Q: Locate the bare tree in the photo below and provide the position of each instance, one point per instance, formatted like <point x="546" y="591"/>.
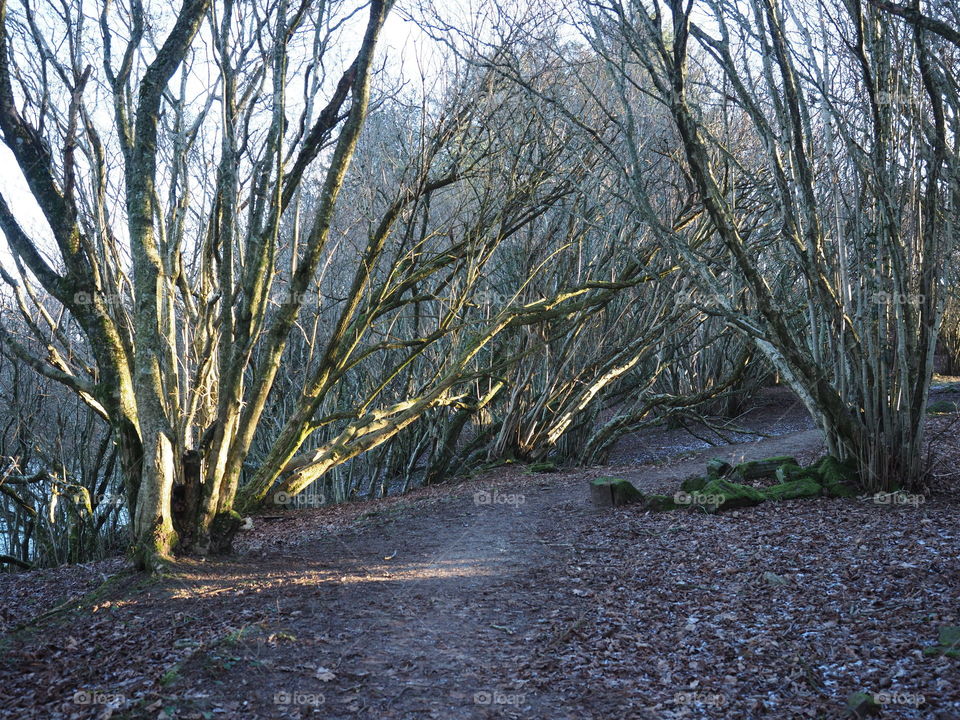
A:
<point x="808" y="147"/>
<point x="172" y="293"/>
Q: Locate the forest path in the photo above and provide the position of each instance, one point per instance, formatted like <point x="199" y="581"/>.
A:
<point x="435" y="611"/>
<point x="484" y="599"/>
<point x="440" y="604"/>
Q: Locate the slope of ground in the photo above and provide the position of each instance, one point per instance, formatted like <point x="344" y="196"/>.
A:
<point x="511" y="597"/>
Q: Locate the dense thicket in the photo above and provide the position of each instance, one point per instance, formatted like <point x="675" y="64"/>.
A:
<point x="268" y="270"/>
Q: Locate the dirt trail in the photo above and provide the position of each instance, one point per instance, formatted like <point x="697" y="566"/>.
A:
<point x="455" y="602"/>
<point x="431" y="606"/>
<point x="441" y="629"/>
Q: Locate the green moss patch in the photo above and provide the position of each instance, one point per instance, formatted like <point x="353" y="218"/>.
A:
<point x="721" y="490"/>
<point x="948" y="643"/>
<point x="766" y="468"/>
<point x="941" y="407"/>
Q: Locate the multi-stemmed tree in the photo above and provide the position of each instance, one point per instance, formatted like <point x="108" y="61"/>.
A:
<point x="819" y="139"/>
<point x="164" y="203"/>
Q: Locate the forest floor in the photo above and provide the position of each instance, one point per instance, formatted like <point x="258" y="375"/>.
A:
<point x="510" y="596"/>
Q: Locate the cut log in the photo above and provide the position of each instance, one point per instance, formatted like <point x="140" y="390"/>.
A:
<point x="718" y="468"/>
<point x="789" y="471"/>
<point x="755" y="469"/>
<point x="805" y="487"/>
<point x="722" y="494"/>
<point x="694" y="483"/>
<point x="11" y="560"/>
<point x="613" y="492"/>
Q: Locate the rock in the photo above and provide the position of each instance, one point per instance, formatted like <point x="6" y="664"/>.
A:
<point x="755" y="469"/>
<point x="661" y="503"/>
<point x="721" y="494"/>
<point x="694" y="483"/>
<point x="804" y="487"/>
<point x="861" y="704"/>
<point x="717" y="468"/>
<point x="789" y="471"/>
<point x="613" y="492"/>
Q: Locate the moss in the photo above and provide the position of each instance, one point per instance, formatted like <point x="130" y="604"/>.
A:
<point x="661" y="503"/>
<point x="941" y="407"/>
<point x="789" y="471"/>
<point x="155" y="550"/>
<point x="948" y="643"/>
<point x="225" y="521"/>
<point x="222" y="529"/>
<point x="804" y="487"/>
<point x="614" y="491"/>
<point x="717" y="468"/>
<point x="839" y="490"/>
<point x="839" y="479"/>
<point x="755" y="469"/>
<point x="722" y="494"/>
<point x="694" y="483"/>
<point x="171" y="675"/>
<point x="861" y="704"/>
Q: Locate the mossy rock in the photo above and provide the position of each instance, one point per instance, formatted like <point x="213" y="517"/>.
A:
<point x="941" y="407"/>
<point x="721" y="494"/>
<point x="840" y="490"/>
<point x="829" y="477"/>
<point x="694" y="483"/>
<point x="717" y="468"/>
<point x="839" y="479"/>
<point x="756" y="469"/>
<point x="661" y="503"/>
<point x="609" y="491"/>
<point x="861" y="705"/>
<point x="805" y="487"/>
<point x="789" y="471"/>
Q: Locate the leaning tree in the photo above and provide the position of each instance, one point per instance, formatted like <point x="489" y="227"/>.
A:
<point x="162" y="149"/>
<point x="819" y="144"/>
